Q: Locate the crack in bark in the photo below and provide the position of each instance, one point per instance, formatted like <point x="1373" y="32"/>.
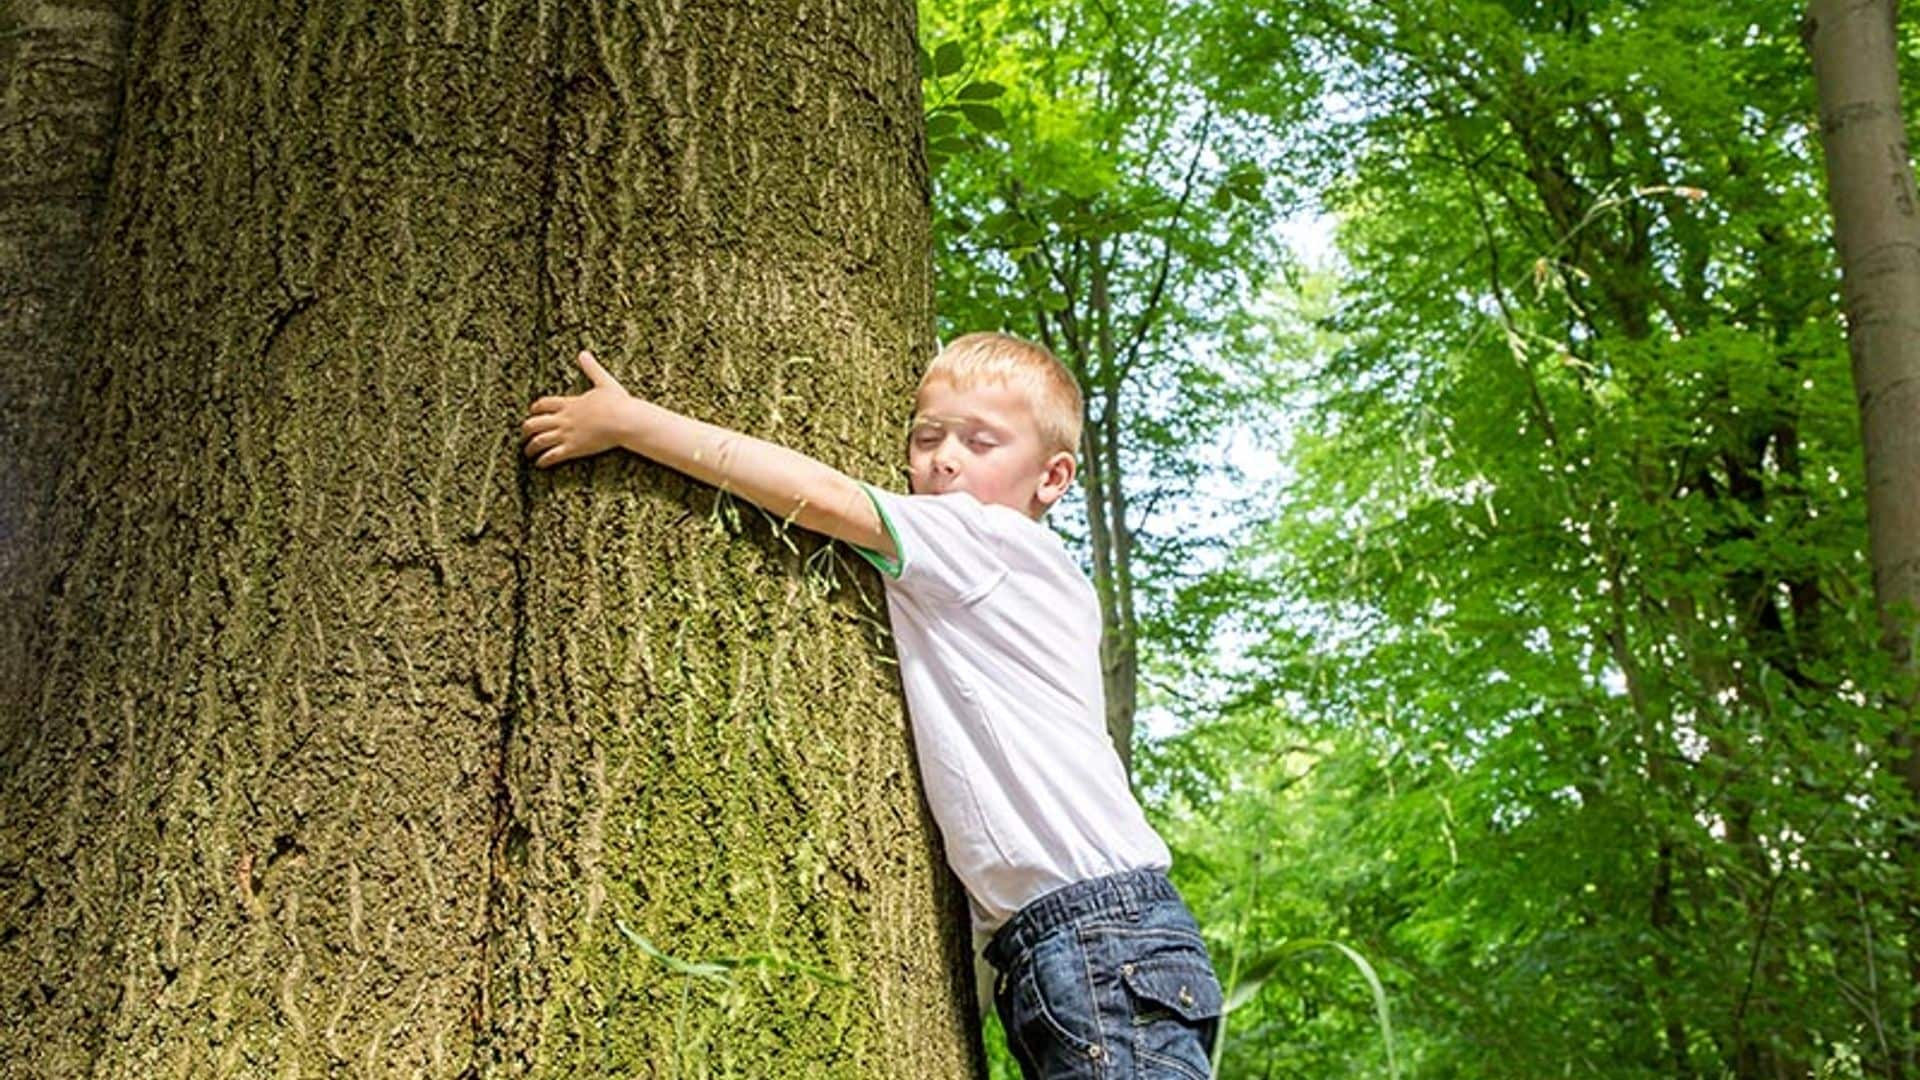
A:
<point x="502" y="841"/>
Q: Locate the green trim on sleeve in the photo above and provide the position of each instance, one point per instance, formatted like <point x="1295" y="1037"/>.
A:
<point x="890" y="567"/>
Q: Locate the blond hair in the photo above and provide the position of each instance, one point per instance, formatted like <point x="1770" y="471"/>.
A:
<point x="1022" y="366"/>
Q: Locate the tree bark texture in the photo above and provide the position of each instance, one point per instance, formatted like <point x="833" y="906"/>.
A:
<point x="60" y="72"/>
<point x="360" y="747"/>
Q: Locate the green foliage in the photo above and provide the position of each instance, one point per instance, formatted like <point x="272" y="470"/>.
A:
<point x="1111" y="208"/>
<point x="1546" y="681"/>
<point x="1568" y="581"/>
<point x="956" y="109"/>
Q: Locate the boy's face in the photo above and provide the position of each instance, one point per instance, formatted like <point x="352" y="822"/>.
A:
<point x="984" y="440"/>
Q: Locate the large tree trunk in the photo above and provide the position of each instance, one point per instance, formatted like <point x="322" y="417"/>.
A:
<point x="1870" y="187"/>
<point x="60" y="70"/>
<point x="361" y="748"/>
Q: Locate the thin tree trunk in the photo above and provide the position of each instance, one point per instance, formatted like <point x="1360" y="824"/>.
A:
<point x="1653" y="710"/>
<point x="1106" y="505"/>
<point x="1089" y="350"/>
<point x="362" y="748"/>
<point x="1091" y="362"/>
<point x="1870" y="188"/>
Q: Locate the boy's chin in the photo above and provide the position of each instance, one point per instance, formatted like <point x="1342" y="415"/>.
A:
<point x="1008" y="501"/>
<point x="1018" y="507"/>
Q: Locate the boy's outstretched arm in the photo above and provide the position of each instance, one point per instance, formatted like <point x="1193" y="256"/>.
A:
<point x="785" y="482"/>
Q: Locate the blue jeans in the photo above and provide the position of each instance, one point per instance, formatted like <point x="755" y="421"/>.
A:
<point x="1107" y="979"/>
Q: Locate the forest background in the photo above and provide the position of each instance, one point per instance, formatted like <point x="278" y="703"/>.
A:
<point x="1475" y="488"/>
<point x="1502" y="605"/>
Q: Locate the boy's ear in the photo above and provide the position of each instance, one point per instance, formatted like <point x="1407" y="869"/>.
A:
<point x="1057" y="478"/>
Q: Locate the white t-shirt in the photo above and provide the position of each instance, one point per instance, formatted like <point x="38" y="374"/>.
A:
<point x="998" y="636"/>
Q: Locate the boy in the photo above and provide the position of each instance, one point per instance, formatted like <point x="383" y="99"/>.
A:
<point x="1102" y="972"/>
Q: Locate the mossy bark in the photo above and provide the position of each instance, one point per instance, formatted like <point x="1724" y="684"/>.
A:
<point x="60" y="72"/>
<point x="360" y="747"/>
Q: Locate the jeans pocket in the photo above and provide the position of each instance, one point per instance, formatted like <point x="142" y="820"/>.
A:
<point x="1051" y="1022"/>
<point x="1176" y="1003"/>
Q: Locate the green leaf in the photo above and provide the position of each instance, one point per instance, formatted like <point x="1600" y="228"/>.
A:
<point x="718" y="970"/>
<point x="1246" y="174"/>
<point x="999" y="222"/>
<point x="980" y="91"/>
<point x="947" y="147"/>
<point x="948" y="59"/>
<point x="781" y="963"/>
<point x="984" y="117"/>
<point x="710" y="971"/>
<point x="942" y="123"/>
<point x="1025" y="234"/>
<point x="1268" y="963"/>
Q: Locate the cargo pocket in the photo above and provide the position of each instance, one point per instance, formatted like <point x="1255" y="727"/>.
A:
<point x="1176" y="1007"/>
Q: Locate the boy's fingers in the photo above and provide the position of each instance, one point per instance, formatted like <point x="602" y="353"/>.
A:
<point x="546" y="405"/>
<point x="535" y="424"/>
<point x="594" y="371"/>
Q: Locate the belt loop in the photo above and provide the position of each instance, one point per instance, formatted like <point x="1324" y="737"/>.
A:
<point x="1129" y="897"/>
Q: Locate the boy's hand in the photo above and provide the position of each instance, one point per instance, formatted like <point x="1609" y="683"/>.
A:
<point x="784" y="482"/>
<point x="564" y="428"/>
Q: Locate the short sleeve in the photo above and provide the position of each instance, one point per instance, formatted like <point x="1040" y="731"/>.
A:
<point x="945" y="548"/>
